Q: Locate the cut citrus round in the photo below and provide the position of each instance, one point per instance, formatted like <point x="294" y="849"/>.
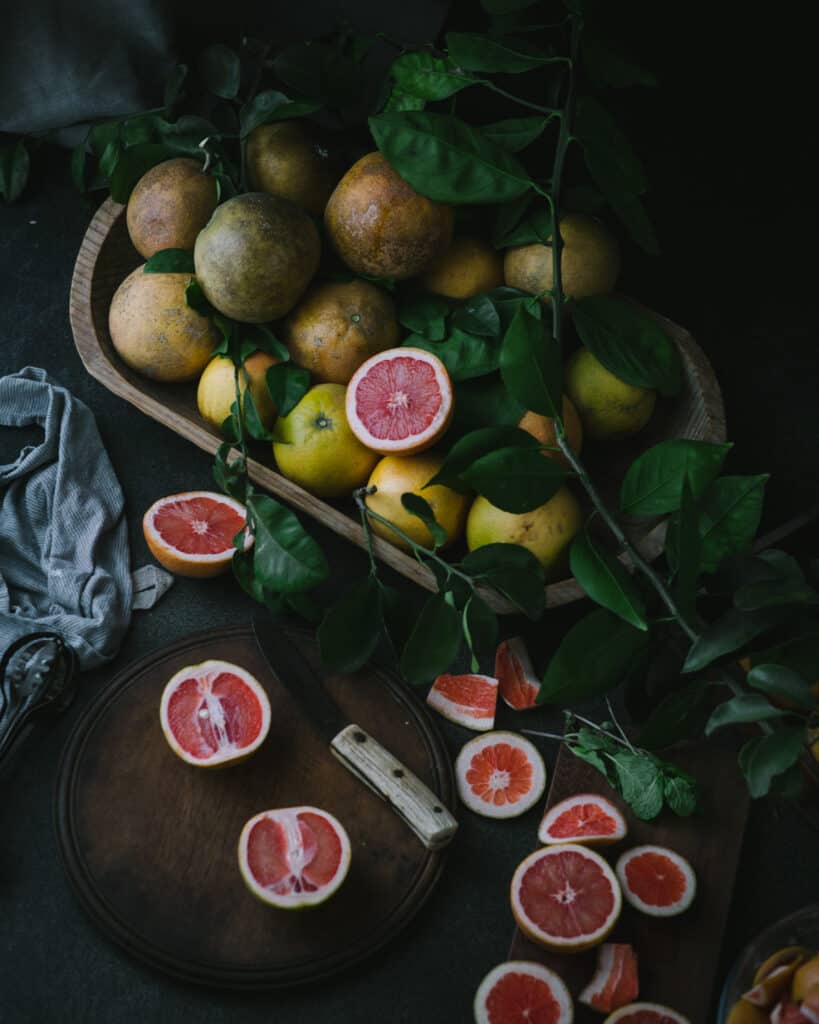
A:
<point x="500" y="775"/>
<point x="615" y="982"/>
<point x="656" y="880"/>
<point x="646" y="1013"/>
<point x="519" y="992"/>
<point x="213" y="714"/>
<point x="191" y="534"/>
<point x="566" y="898"/>
<point x="468" y="700"/>
<point x="517" y="682"/>
<point x="585" y="818"/>
<point x="399" y="401"/>
<point x="294" y="857"/>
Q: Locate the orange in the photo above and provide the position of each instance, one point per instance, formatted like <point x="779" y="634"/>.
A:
<point x="543" y="428"/>
<point x="500" y="775"/>
<point x="283" y="159"/>
<point x="468" y="267"/>
<point x="192" y="533"/>
<point x="170" y="205"/>
<point x="217" y="388"/>
<point x="609" y="407"/>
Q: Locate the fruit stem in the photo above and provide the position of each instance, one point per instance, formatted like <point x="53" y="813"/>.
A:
<point x="368" y="533"/>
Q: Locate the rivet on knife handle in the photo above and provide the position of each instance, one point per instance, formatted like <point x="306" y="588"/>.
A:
<point x="409" y="797"/>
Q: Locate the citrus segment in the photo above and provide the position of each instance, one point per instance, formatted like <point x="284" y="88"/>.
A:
<point x="500" y="775"/>
<point x="646" y="1013"/>
<point x="468" y="700"/>
<point x="519" y="992"/>
<point x="399" y="400"/>
<point x="585" y="818"/>
<point x="215" y="713"/>
<point x="517" y="682"/>
<point x="656" y="881"/>
<point x="191" y="534"/>
<point x="565" y="897"/>
<point x="615" y="982"/>
<point x="294" y="857"/>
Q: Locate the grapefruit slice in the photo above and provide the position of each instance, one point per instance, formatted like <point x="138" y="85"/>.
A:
<point x="500" y="775"/>
<point x="520" y="992"/>
<point x="585" y="818"/>
<point x="615" y="981"/>
<point x="566" y="898"/>
<point x="399" y="401"/>
<point x="191" y="534"/>
<point x="294" y="857"/>
<point x="213" y="714"/>
<point x="517" y="681"/>
<point x="468" y="700"/>
<point x="656" y="880"/>
<point x="646" y="1013"/>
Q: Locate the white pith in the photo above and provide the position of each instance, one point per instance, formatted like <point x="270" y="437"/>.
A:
<point x="632" y="1008"/>
<point x="474" y="802"/>
<point x="533" y="970"/>
<point x="199" y="526"/>
<point x="454" y="712"/>
<point x="553" y="813"/>
<point x="605" y="960"/>
<point x="672" y="909"/>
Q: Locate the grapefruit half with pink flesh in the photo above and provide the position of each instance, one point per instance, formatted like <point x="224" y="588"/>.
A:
<point x="214" y="714"/>
<point x="517" y="681"/>
<point x="294" y="857"/>
<point x="657" y="881"/>
<point x="520" y="992"/>
<point x="500" y="775"/>
<point x="468" y="700"/>
<point x="584" y="818"/>
<point x="399" y="401"/>
<point x="191" y="534"/>
<point x="615" y="981"/>
<point x="566" y="898"/>
<point x="646" y="1013"/>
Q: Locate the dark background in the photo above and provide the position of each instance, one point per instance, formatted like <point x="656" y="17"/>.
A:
<point x="727" y="140"/>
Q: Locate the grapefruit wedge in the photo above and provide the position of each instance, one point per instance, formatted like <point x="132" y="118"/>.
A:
<point x="615" y="981"/>
<point x="585" y="818"/>
<point x="468" y="700"/>
<point x="520" y="992"/>
<point x="399" y="401"/>
<point x="294" y="857"/>
<point x="646" y="1013"/>
<point x="214" y="714"/>
<point x="191" y="534"/>
<point x="566" y="898"/>
<point x="657" y="881"/>
<point x="500" y="775"/>
<point x="517" y="681"/>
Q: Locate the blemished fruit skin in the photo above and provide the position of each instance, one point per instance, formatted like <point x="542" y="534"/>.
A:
<point x="379" y="225"/>
<point x="216" y="391"/>
<point x="284" y="160"/>
<point x="337" y="326"/>
<point x="589" y="262"/>
<point x="169" y="206"/>
<point x="546" y="531"/>
<point x="256" y="256"/>
<point x="320" y="452"/>
<point x="155" y="331"/>
<point x="468" y="267"/>
<point x="610" y="408"/>
<point x="543" y="428"/>
<point x="395" y="475"/>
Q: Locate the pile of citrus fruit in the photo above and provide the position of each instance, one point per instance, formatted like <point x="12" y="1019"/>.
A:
<point x="785" y="990"/>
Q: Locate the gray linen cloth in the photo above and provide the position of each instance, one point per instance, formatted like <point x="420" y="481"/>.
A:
<point x="64" y="559"/>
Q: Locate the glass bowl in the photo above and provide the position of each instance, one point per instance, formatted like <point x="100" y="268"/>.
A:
<point x="798" y="929"/>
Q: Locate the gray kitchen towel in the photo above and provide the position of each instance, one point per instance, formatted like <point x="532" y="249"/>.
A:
<point x="64" y="560"/>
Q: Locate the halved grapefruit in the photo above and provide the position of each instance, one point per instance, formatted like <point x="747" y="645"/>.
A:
<point x="615" y="982"/>
<point x="468" y="700"/>
<point x="566" y="898"/>
<point x="656" y="880"/>
<point x="585" y="818"/>
<point x="520" y="992"/>
<point x="294" y="857"/>
<point x="500" y="775"/>
<point x="191" y="534"/>
<point x="399" y="401"/>
<point x="214" y="714"/>
<point x="646" y="1013"/>
<point x="517" y="681"/>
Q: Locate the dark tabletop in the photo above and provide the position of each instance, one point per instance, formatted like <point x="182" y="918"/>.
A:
<point x="724" y="142"/>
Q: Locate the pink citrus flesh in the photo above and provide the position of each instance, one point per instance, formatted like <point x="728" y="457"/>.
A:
<point x="584" y="818"/>
<point x="615" y="982"/>
<point x="500" y="775"/>
<point x="191" y="534"/>
<point x="518" y="685"/>
<point x="656" y="881"/>
<point x="521" y="992"/>
<point x="646" y="1013"/>
<point x="469" y="700"/>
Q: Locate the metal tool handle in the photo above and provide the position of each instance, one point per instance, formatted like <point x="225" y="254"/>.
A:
<point x="407" y="795"/>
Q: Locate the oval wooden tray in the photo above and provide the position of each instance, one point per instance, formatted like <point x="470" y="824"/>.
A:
<point x="106" y="256"/>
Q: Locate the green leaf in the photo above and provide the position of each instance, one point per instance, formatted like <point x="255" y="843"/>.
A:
<point x="629" y="342"/>
<point x="630" y="210"/>
<point x="536" y="227"/>
<point x="230" y="477"/>
<point x="799" y="653"/>
<point x="481" y="53"/>
<point x="607" y="68"/>
<point x="729" y="633"/>
<point x="174" y="84"/>
<point x="610" y="159"/>
<point x="673" y="718"/>
<point x="606" y="580"/>
<point x="508" y="301"/>
<point x="186" y="134"/>
<point x="195" y="298"/>
<point x="530" y="365"/>
<point x="287" y="385"/>
<point x="262" y="339"/>
<point x="141" y="128"/>
<point x="515" y="479"/>
<point x="477" y="316"/>
<point x="513" y="571"/>
<point x="132" y="164"/>
<point x="464" y="355"/>
<point x="102" y="134"/>
<point x="683" y="536"/>
<point x="784" y="683"/>
<point x="399" y="100"/>
<point x="425" y="314"/>
<point x="446" y="159"/>
<point x="430" y="78"/>
<point x="269" y="106"/>
<point x="778" y="580"/>
<point x="79" y="156"/>
<point x="221" y="71"/>
<point x="14" y="170"/>
<point x="653" y="483"/>
<point x="515" y="133"/>
<point x="351" y="629"/>
<point x="680" y="793"/>
<point x="170" y="261"/>
<point x="480" y="626"/>
<point x="741" y="710"/>
<point x="506" y="6"/>
<point x="433" y="643"/>
<point x="484" y="402"/>
<point x="765" y="757"/>
<point x="641" y="784"/>
<point x="419" y="507"/>
<point x="286" y="558"/>
<point x="592" y="658"/>
<point x="252" y="420"/>
<point x="476" y="445"/>
<point x="110" y="159"/>
<point x="730" y="511"/>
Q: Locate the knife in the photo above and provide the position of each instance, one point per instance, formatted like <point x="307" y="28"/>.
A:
<point x="360" y="754"/>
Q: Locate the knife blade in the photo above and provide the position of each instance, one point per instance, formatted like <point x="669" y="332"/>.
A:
<point x="360" y="754"/>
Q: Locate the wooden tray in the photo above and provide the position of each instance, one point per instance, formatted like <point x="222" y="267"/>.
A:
<point x="149" y="842"/>
<point x="678" y="956"/>
<point x="106" y="256"/>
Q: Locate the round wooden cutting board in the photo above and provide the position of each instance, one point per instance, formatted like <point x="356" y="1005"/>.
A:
<point x="150" y="843"/>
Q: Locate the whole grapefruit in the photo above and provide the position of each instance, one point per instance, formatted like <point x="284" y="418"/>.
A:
<point x="610" y="408"/>
<point x="217" y="388"/>
<point x="284" y="159"/>
<point x="543" y="428"/>
<point x="169" y="206"/>
<point x="468" y="267"/>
